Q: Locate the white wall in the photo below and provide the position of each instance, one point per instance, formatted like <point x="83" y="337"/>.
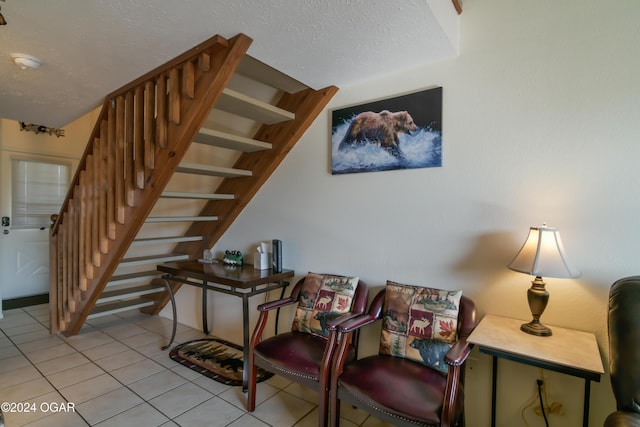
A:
<point x="540" y="124"/>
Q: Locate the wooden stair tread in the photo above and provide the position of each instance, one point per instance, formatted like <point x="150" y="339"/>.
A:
<point x="147" y="259"/>
<point x="117" y="293"/>
<point x="259" y="71"/>
<point x="185" y="195"/>
<point x="107" y="308"/>
<point x="227" y="140"/>
<point x="180" y="219"/>
<point x="199" y="169"/>
<point x="132" y="277"/>
<point x="240" y="104"/>
<point x="171" y="239"/>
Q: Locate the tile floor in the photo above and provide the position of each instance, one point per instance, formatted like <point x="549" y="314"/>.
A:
<point x="114" y="374"/>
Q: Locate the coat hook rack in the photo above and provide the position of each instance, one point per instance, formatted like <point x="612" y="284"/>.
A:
<point x="41" y="129"/>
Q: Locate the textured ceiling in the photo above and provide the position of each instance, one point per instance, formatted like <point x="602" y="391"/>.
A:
<point x="91" y="48"/>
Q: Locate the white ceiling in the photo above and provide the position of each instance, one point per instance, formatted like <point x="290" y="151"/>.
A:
<point x="90" y="48"/>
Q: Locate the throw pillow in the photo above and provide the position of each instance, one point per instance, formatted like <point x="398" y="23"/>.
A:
<point x="419" y="323"/>
<point x="323" y="298"/>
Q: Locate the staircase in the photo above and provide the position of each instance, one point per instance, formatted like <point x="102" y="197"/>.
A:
<point x="173" y="159"/>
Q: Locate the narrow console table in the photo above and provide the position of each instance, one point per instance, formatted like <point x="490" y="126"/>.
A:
<point x="567" y="351"/>
<point x="243" y="282"/>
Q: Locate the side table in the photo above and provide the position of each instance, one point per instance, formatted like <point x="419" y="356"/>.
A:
<point x="567" y="351"/>
<point x="242" y="281"/>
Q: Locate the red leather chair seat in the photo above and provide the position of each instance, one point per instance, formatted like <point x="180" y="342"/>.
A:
<point x="294" y="353"/>
<point x="363" y="381"/>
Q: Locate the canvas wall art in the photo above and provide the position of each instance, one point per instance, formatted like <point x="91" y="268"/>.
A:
<point x="403" y="132"/>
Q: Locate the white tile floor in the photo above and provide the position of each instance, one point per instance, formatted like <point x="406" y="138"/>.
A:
<point x="114" y="374"/>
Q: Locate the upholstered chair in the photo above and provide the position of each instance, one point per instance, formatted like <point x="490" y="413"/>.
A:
<point x="624" y="351"/>
<point x="417" y="377"/>
<point x="304" y="354"/>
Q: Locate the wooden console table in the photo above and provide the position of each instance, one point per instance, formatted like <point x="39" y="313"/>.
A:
<point x="243" y="282"/>
<point x="567" y="351"/>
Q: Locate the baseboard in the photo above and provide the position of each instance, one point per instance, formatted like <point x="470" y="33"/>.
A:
<point x="25" y="301"/>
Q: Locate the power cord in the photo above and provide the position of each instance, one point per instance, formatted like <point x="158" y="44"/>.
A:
<point x="540" y="394"/>
<point x="544" y="415"/>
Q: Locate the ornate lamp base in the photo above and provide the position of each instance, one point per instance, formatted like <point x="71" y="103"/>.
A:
<point x="538" y="297"/>
<point x="536" y="328"/>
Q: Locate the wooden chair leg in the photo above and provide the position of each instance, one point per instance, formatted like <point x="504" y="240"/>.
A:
<point x="334" y="412"/>
<point x="251" y="392"/>
<point x="323" y="408"/>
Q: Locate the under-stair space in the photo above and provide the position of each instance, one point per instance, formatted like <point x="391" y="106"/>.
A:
<point x="194" y="182"/>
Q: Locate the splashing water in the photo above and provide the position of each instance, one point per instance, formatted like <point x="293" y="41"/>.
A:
<point x="422" y="149"/>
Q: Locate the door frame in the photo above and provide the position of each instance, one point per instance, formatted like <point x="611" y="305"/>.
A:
<point x="6" y="166"/>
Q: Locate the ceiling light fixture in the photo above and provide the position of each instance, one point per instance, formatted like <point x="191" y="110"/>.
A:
<point x="25" y="61"/>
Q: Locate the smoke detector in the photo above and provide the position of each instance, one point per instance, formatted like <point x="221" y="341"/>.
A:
<point x="25" y="61"/>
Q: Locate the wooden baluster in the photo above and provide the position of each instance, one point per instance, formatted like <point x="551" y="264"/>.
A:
<point x="84" y="237"/>
<point x="59" y="282"/>
<point x="129" y="164"/>
<point x="174" y="96"/>
<point x="111" y="172"/>
<point x="75" y="243"/>
<point x="63" y="270"/>
<point x="96" y="254"/>
<point x="161" y="119"/>
<point x="119" y="161"/>
<point x="138" y="137"/>
<point x="102" y="210"/>
<point x="68" y="219"/>
<point x="149" y="118"/>
<point x="54" y="326"/>
<point x="80" y="234"/>
<point x="204" y="62"/>
<point x="188" y="80"/>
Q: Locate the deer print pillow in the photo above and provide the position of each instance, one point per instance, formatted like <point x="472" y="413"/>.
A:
<point x="323" y="298"/>
<point x="419" y="323"/>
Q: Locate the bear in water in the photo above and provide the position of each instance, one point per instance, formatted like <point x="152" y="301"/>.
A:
<point x="381" y="129"/>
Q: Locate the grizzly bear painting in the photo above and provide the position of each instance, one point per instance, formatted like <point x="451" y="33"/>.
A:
<point x="404" y="132"/>
<point x="380" y="128"/>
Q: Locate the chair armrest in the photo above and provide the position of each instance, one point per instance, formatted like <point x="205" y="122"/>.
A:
<point x="271" y="305"/>
<point x="332" y="325"/>
<point x="458" y="353"/>
<point x="357" y="322"/>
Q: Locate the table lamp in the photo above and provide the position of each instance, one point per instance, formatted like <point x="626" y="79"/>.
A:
<point x="541" y="255"/>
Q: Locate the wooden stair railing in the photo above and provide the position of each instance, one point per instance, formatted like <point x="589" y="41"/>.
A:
<point x="142" y="133"/>
<point x="141" y="136"/>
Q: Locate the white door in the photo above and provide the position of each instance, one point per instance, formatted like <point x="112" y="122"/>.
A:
<point x="30" y="192"/>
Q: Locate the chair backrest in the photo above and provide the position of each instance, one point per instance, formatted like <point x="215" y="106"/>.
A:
<point x="324" y="297"/>
<point x="420" y="323"/>
<point x="466" y="318"/>
<point x="624" y="342"/>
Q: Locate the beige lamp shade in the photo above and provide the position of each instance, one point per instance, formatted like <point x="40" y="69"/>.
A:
<point x="543" y="255"/>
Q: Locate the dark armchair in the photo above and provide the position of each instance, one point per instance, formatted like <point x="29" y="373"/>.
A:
<point x="305" y="354"/>
<point x="624" y="351"/>
<point x="397" y="389"/>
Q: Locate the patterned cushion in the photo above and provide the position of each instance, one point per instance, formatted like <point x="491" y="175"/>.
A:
<point x="323" y="298"/>
<point x="419" y="323"/>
